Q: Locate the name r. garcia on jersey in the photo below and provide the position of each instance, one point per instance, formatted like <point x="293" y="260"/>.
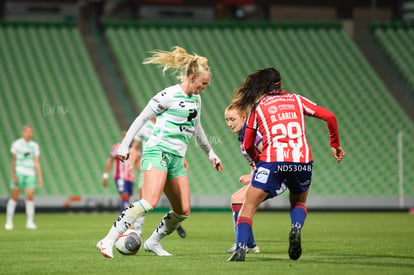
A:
<point x="283" y="116"/>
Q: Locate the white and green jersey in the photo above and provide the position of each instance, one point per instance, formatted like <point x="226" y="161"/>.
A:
<point x="177" y="114"/>
<point x="25" y="153"/>
<point x="144" y="134"/>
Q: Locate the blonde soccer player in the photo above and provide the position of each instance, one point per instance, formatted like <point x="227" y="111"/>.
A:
<point x="178" y="110"/>
<point x="140" y="141"/>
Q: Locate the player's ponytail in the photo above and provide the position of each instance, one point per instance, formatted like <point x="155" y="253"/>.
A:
<point x="184" y="64"/>
<point x="264" y="81"/>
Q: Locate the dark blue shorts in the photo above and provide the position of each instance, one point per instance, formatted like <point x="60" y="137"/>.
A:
<point x="124" y="186"/>
<point x="276" y="177"/>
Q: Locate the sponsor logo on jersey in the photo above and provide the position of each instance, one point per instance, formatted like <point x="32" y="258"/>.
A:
<point x="185" y="130"/>
<point x="285" y="107"/>
<point x="273" y="99"/>
<point x="192" y="114"/>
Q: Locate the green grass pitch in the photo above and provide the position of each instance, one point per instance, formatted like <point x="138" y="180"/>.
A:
<point x="333" y="243"/>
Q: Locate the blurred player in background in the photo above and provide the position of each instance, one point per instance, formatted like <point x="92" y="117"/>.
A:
<point x="27" y="174"/>
<point x="140" y="141"/>
<point x="178" y="119"/>
<point x="236" y="120"/>
<point x="124" y="180"/>
<point x="286" y="155"/>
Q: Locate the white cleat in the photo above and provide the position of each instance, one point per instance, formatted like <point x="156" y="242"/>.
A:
<point x="255" y="249"/>
<point x="8" y="226"/>
<point x="105" y="249"/>
<point x="232" y="248"/>
<point x="156" y="248"/>
<point x="31" y="226"/>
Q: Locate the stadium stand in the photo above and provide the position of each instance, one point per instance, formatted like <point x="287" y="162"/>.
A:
<point x="48" y="81"/>
<point x="319" y="61"/>
<point x="398" y="40"/>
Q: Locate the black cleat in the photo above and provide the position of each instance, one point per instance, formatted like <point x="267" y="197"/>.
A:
<point x="239" y="255"/>
<point x="295" y="248"/>
<point x="181" y="232"/>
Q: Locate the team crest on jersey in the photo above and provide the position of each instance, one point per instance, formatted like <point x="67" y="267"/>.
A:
<point x="273" y="109"/>
<point x="262" y="175"/>
<point x="160" y="107"/>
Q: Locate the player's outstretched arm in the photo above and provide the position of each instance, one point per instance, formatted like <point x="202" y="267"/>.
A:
<point x="338" y="153"/>
<point x="144" y="116"/>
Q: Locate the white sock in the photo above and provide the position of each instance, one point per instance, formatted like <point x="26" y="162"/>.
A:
<point x="30" y="211"/>
<point x="11" y="208"/>
<point x="127" y="218"/>
<point x="139" y="224"/>
<point x="167" y="225"/>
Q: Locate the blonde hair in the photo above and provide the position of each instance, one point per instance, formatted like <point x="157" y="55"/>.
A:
<point x="183" y="63"/>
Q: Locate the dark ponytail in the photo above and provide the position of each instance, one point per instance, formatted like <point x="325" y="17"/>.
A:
<point x="264" y="81"/>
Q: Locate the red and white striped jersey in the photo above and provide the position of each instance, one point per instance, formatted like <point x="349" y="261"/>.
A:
<point x="121" y="168"/>
<point x="280" y="119"/>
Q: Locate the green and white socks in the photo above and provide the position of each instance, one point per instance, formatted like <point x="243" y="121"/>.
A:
<point x="127" y="218"/>
<point x="167" y="225"/>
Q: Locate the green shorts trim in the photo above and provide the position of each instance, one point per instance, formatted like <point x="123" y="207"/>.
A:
<point x="155" y="157"/>
<point x="24" y="181"/>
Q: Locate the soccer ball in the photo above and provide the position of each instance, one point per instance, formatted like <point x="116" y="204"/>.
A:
<point x="129" y="243"/>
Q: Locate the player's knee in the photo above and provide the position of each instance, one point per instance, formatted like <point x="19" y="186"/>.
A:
<point x="29" y="197"/>
<point x="236" y="198"/>
<point x="14" y="197"/>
